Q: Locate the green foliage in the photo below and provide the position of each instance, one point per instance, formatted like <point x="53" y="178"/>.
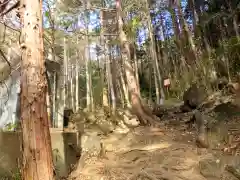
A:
<point x="145" y="89"/>
<point x="10" y="126"/>
<point x="46" y="14"/>
<point x="67" y="22"/>
<point x="230" y="50"/>
<point x="132" y="26"/>
<point x="16" y="176"/>
<point x="233" y="51"/>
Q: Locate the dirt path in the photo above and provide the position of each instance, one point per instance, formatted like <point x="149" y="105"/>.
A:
<point x="156" y="154"/>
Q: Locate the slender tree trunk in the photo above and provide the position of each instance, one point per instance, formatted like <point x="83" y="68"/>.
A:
<point x="102" y="70"/>
<point x="105" y="101"/>
<point x="77" y="86"/>
<point x="36" y="145"/>
<point x="192" y="55"/>
<point x="124" y="86"/>
<point x="178" y="42"/>
<point x="143" y="114"/>
<point x="136" y="66"/>
<point x="89" y="107"/>
<point x="110" y="80"/>
<point x="150" y="82"/>
<point x="120" y="88"/>
<point x="114" y="71"/>
<point x="72" y="88"/>
<point x="154" y="57"/>
<point x="49" y="100"/>
<point x="88" y="71"/>
<point x="156" y="82"/>
<point x="54" y="99"/>
<point x="65" y="74"/>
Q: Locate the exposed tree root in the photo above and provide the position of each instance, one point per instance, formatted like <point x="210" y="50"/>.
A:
<point x="143" y="174"/>
<point x="145" y="115"/>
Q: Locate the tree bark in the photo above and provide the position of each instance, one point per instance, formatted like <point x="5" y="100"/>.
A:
<point x="144" y="115"/>
<point x="36" y="143"/>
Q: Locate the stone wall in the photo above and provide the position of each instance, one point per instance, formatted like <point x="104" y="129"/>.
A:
<point x="63" y="152"/>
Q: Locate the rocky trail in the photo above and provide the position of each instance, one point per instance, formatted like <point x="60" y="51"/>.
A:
<point x="168" y="152"/>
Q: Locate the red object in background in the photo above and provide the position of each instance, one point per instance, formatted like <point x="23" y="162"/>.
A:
<point x="117" y="3"/>
<point x="166" y="82"/>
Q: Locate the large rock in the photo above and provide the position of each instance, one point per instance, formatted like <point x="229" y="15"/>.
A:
<point x="211" y="168"/>
<point x="193" y="97"/>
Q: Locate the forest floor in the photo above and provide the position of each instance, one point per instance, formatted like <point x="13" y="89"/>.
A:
<point x="165" y="153"/>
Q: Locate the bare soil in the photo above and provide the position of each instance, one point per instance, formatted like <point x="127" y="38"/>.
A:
<point x="166" y="153"/>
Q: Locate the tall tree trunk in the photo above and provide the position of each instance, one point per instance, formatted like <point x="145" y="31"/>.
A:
<point x="143" y="114"/>
<point x="105" y="101"/>
<point x="88" y="67"/>
<point x="102" y="69"/>
<point x="150" y="81"/>
<point x="89" y="106"/>
<point x="110" y="80"/>
<point x="36" y="142"/>
<point x="154" y="56"/>
<point x="65" y="82"/>
<point x="77" y="85"/>
<point x="114" y="71"/>
<point x="72" y="88"/>
<point x="136" y="65"/>
<point x="178" y="42"/>
<point x="124" y="86"/>
<point x="49" y="99"/>
<point x="54" y="109"/>
<point x="192" y="55"/>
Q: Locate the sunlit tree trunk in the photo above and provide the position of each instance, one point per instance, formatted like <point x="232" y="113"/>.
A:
<point x="91" y="86"/>
<point x="49" y="100"/>
<point x="156" y="82"/>
<point x="178" y="42"/>
<point x="60" y="98"/>
<point x="154" y="58"/>
<point x="65" y="64"/>
<point x="54" y="109"/>
<point x="103" y="69"/>
<point x="88" y="67"/>
<point x="150" y="82"/>
<point x="120" y="87"/>
<point x="114" y="71"/>
<point x="110" y="80"/>
<point x="36" y="142"/>
<point x="176" y="27"/>
<point x="145" y="116"/>
<point x="77" y="85"/>
<point x="136" y="65"/>
<point x="88" y="85"/>
<point x="104" y="84"/>
<point x="125" y="89"/>
<point x="193" y="53"/>
<point x="72" y="88"/>
<point x="162" y="48"/>
<point x="104" y="75"/>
